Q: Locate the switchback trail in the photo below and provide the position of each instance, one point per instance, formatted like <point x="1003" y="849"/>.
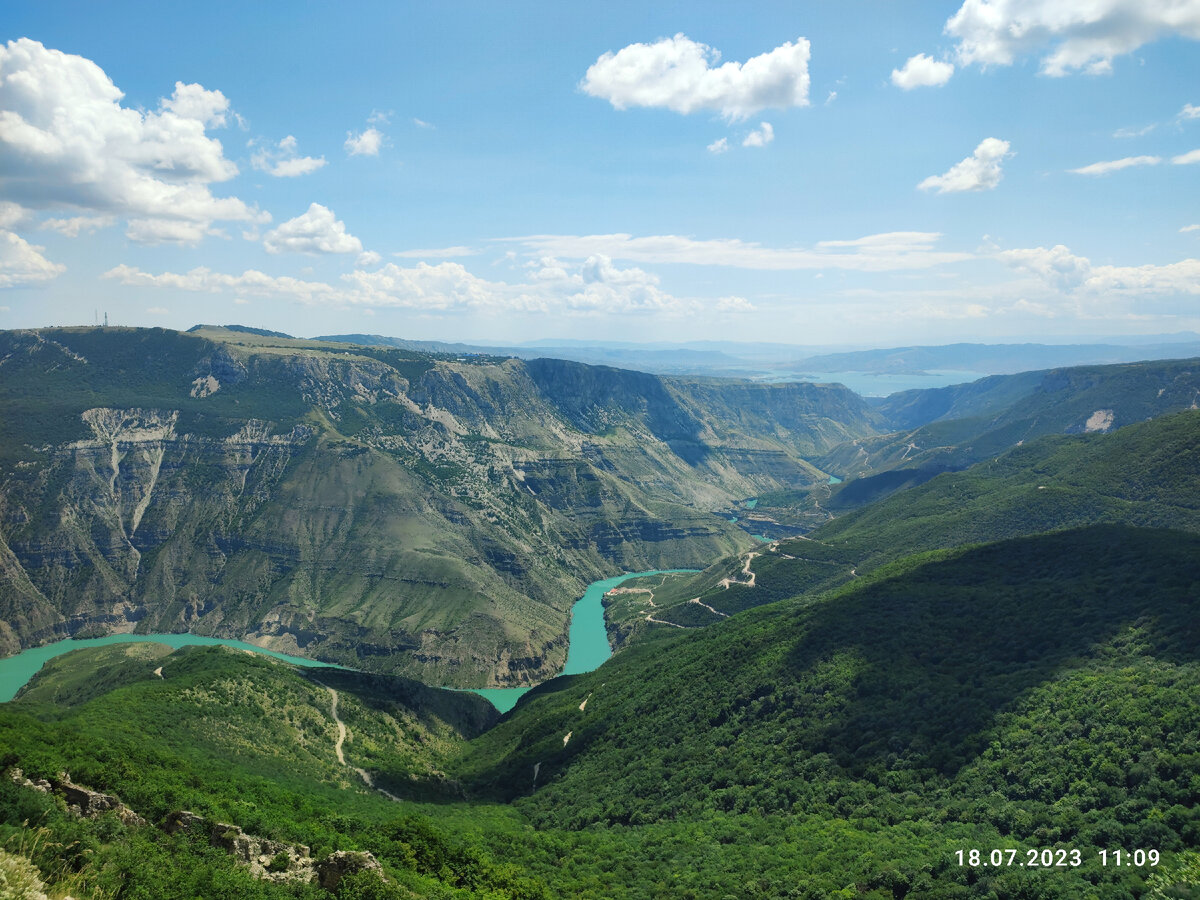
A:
<point x="341" y="739"/>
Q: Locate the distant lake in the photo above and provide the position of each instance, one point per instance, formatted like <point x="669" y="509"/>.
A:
<point x="875" y="384"/>
<point x="588" y="646"/>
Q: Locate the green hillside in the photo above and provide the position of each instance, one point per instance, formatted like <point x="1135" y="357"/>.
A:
<point x="1146" y="474"/>
<point x="1031" y="693"/>
<point x="951" y="428"/>
<point x="1035" y="694"/>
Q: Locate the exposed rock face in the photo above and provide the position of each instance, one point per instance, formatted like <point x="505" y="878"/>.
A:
<point x="80" y="800"/>
<point x="396" y="513"/>
<point x="266" y="859"/>
<point x="337" y="865"/>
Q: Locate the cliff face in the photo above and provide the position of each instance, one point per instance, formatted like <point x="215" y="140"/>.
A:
<point x="392" y="511"/>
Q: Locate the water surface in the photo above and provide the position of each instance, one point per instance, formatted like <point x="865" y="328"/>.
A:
<point x="588" y="646"/>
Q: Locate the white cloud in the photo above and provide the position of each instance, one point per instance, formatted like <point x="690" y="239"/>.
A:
<point x="1182" y="277"/>
<point x="760" y="138"/>
<point x="367" y="143"/>
<point x="922" y="71"/>
<point x="168" y="231"/>
<point x="437" y="253"/>
<point x="250" y="282"/>
<point x="832" y="96"/>
<point x="379" y="117"/>
<point x="595" y="286"/>
<point x="241" y="301"/>
<point x="22" y="263"/>
<point x="1056" y="266"/>
<point x="157" y="310"/>
<point x="719" y="146"/>
<point x="901" y="250"/>
<point x="1115" y="165"/>
<point x="316" y="231"/>
<point x="1187" y="228"/>
<point x="283" y="160"/>
<point x="1076" y="34"/>
<point x="421" y="123"/>
<point x="1189" y="112"/>
<point x="682" y="75"/>
<point x="67" y="143"/>
<point x="1183" y="159"/>
<point x="368" y="258"/>
<point x="1135" y="132"/>
<point x="12" y="214"/>
<point x="77" y="225"/>
<point x="978" y="172"/>
<point x="191" y="101"/>
<point x="734" y="304"/>
<point x="1065" y="271"/>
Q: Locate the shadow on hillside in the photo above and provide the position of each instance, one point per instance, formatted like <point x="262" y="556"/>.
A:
<point x="933" y="656"/>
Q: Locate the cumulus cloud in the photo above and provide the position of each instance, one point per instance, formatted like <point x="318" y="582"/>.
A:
<point x="191" y="101"/>
<point x="1181" y="277"/>
<point x="922" y="71"/>
<point x="67" y="142"/>
<point x="1115" y="165"/>
<point x="168" y="231"/>
<point x="594" y="286"/>
<point x="1189" y="112"/>
<point x="1074" y="34"/>
<point x="1057" y="266"/>
<point x="283" y="160"/>
<point x="891" y="251"/>
<point x="22" y="263"/>
<point x="978" y="172"/>
<point x="719" y="146"/>
<point x="1183" y="159"/>
<point x="368" y="258"/>
<point x="683" y="75"/>
<point x="76" y="225"/>
<point x="316" y="231"/>
<point x="760" y="138"/>
<point x="12" y="214"/>
<point x="366" y="143"/>
<point x="1065" y="271"/>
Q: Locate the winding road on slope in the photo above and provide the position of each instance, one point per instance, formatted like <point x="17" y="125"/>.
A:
<point x="341" y="739"/>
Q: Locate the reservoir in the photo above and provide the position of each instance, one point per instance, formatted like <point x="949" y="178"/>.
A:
<point x="588" y="646"/>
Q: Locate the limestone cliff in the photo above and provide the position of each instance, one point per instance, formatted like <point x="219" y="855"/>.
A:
<point x="394" y="511"/>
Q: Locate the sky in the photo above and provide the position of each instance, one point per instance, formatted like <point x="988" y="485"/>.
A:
<point x="870" y="174"/>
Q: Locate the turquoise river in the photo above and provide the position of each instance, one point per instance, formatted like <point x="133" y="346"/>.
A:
<point x="588" y="646"/>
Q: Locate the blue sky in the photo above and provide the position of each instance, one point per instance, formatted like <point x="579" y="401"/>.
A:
<point x="859" y="173"/>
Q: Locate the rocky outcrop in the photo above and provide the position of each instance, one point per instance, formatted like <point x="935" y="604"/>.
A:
<point x="81" y="801"/>
<point x="337" y="865"/>
<point x="266" y="859"/>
